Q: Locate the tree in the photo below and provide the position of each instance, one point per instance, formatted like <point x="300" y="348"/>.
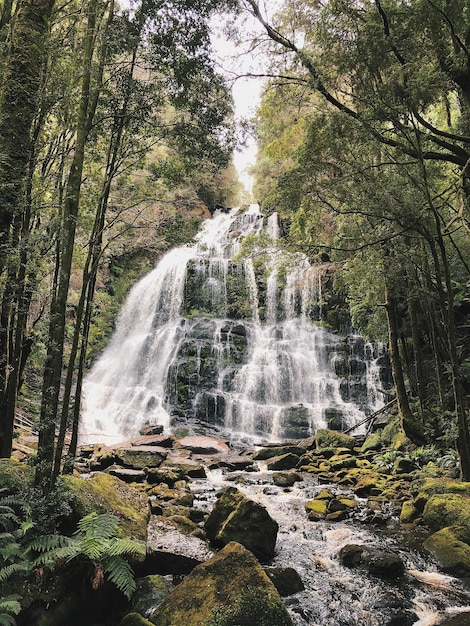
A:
<point x="386" y="157"/>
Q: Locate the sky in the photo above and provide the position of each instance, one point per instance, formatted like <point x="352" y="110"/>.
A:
<point x="235" y="59"/>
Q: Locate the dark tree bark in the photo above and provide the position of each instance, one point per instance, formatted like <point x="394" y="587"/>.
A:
<point x="21" y="72"/>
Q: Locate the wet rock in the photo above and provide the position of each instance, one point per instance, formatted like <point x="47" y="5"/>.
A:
<point x="151" y="429"/>
<point x="447" y="509"/>
<point x="409" y="513"/>
<point x="172" y="551"/>
<point x="210" y="596"/>
<point x="333" y="439"/>
<point x="149" y="594"/>
<point x="203" y="445"/>
<point x="141" y="456"/>
<point x="286" y="580"/>
<point x="189" y="468"/>
<point x="126" y="474"/>
<point x="234" y="463"/>
<point x="163" y="441"/>
<point x="450" y="549"/>
<point x="286" y="479"/>
<point x="403" y="465"/>
<point x="167" y="475"/>
<point x="235" y="517"/>
<point x="367" y="486"/>
<point x="274" y="451"/>
<point x="374" y="560"/>
<point x="283" y="462"/>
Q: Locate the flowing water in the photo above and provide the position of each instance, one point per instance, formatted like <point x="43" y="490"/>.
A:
<point x="226" y="334"/>
<point x="336" y="595"/>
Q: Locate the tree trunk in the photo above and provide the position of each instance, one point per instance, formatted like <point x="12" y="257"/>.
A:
<point x="54" y="360"/>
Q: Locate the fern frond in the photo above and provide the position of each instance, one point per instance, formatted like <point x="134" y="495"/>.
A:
<point x="64" y="553"/>
<point x="48" y="543"/>
<point x="7" y="620"/>
<point x="118" y="547"/>
<point x="100" y="526"/>
<point x="121" y="574"/>
<point x="10" y="604"/>
<point x="14" y="568"/>
<point x="94" y="548"/>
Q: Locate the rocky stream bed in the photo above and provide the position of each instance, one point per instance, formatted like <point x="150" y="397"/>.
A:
<point x="316" y="532"/>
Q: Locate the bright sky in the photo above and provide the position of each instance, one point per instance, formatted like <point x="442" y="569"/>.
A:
<point x="235" y="59"/>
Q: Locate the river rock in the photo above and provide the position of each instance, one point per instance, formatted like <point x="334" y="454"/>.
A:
<point x="333" y="439"/>
<point x="273" y="451"/>
<point x="235" y="517"/>
<point x="149" y="594"/>
<point x="151" y="429"/>
<point x="283" y="462"/>
<point x="374" y="560"/>
<point x="230" y="588"/>
<point x="126" y="474"/>
<point x="203" y="445"/>
<point x="447" y="509"/>
<point x="141" y="456"/>
<point x="286" y="479"/>
<point x="189" y="467"/>
<point x="107" y="494"/>
<point x="163" y="441"/>
<point x="286" y="580"/>
<point x="450" y="549"/>
<point x="172" y="551"/>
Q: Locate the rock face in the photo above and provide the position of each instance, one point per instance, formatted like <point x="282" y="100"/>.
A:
<point x="230" y="589"/>
<point x="237" y="518"/>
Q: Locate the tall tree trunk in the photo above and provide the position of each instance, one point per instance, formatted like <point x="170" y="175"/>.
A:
<point x="410" y="426"/>
<point x="54" y="360"/>
<point x="21" y="80"/>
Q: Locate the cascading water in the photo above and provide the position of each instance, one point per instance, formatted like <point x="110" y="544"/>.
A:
<point x="223" y="333"/>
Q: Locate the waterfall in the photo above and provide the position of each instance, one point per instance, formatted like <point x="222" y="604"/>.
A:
<point x="226" y="334"/>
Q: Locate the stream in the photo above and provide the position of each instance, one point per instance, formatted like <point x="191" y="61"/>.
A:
<point x="336" y="595"/>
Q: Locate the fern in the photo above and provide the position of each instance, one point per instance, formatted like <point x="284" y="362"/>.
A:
<point x="9" y="606"/>
<point x="121" y="574"/>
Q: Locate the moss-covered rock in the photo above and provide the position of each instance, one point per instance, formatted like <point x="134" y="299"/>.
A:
<point x="447" y="509"/>
<point x="450" y="549"/>
<point x="237" y="518"/>
<point x="14" y="475"/>
<point x="107" y="494"/>
<point x="228" y="590"/>
<point x="272" y="451"/>
<point x="134" y="619"/>
<point x="409" y="513"/>
<point x="150" y="593"/>
<point x="333" y="439"/>
<point x="139" y="457"/>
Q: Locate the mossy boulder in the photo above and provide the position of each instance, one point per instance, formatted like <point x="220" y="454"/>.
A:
<point x="447" y="509"/>
<point x="235" y="517"/>
<point x="409" y="513"/>
<point x="139" y="457"/>
<point x="107" y="494"/>
<point x="272" y="451"/>
<point x="150" y="593"/>
<point x="283" y="462"/>
<point x="333" y="439"/>
<point x="450" y="549"/>
<point x="228" y="590"/>
<point x="14" y="475"/>
<point x="372" y="442"/>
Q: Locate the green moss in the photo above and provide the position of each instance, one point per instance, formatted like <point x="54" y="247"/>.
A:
<point x="316" y="506"/>
<point x="134" y="619"/>
<point x="14" y="475"/>
<point x="408" y="512"/>
<point x="227" y="590"/>
<point x="450" y="551"/>
<point x="447" y="509"/>
<point x="333" y="439"/>
<point x="107" y="494"/>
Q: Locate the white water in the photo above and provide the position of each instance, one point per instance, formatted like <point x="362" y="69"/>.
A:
<point x="286" y="371"/>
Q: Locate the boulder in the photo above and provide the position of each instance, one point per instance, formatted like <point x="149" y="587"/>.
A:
<point x="126" y="474"/>
<point x="171" y="549"/>
<point x="333" y="439"/>
<point x="447" y="509"/>
<point x="138" y="457"/>
<point x="200" y="444"/>
<point x="374" y="560"/>
<point x="450" y="549"/>
<point x="150" y="593"/>
<point x="269" y="452"/>
<point x="286" y="479"/>
<point x="283" y="462"/>
<point x="229" y="589"/>
<point x="151" y="429"/>
<point x="107" y="494"/>
<point x="286" y="580"/>
<point x="235" y="517"/>
<point x="188" y="467"/>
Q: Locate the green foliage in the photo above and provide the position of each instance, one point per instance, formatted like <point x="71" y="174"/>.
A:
<point x="94" y="541"/>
